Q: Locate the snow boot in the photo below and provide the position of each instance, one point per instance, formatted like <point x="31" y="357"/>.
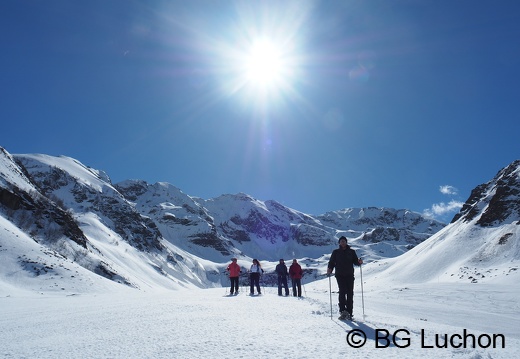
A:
<point x="344" y="315"/>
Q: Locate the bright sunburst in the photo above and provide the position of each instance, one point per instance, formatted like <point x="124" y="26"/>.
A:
<point x="264" y="65"/>
<point x="262" y="56"/>
<point x="263" y="69"/>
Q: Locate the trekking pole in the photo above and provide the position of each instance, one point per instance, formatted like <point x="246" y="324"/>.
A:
<point x="304" y="291"/>
<point x="330" y="295"/>
<point x="229" y="283"/>
<point x="362" y="296"/>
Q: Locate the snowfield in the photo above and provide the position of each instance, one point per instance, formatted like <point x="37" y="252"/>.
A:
<point x="201" y="323"/>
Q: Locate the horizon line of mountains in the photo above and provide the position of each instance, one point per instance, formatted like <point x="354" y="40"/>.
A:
<point x="75" y="210"/>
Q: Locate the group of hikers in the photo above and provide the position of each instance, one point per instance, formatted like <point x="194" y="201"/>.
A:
<point x="295" y="272"/>
<point x="342" y="260"/>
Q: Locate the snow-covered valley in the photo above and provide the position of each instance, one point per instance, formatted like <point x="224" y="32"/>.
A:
<point x="201" y="323"/>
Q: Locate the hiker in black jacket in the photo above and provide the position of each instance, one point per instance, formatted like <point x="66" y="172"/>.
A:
<point x="343" y="259"/>
<point x="281" y="271"/>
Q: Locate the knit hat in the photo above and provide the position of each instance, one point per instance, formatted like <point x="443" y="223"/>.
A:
<point x="342" y="237"/>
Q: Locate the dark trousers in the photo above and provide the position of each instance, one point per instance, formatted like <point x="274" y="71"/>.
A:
<point x="234" y="284"/>
<point x="346" y="293"/>
<point x="297" y="283"/>
<point x="255" y="281"/>
<point x="282" y="281"/>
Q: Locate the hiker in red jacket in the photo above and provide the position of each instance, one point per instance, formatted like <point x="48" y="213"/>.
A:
<point x="234" y="272"/>
<point x="296" y="274"/>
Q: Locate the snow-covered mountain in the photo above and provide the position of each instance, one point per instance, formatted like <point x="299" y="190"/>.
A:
<point x="144" y="234"/>
<point x="244" y="226"/>
<point x="481" y="244"/>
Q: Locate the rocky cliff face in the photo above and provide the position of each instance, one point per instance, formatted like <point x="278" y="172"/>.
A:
<point x="81" y="196"/>
<point x="179" y="218"/>
<point x="32" y="211"/>
<point x="495" y="202"/>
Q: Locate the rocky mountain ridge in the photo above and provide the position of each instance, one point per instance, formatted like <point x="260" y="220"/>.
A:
<point x="481" y="244"/>
<point x="186" y="239"/>
<point x="496" y="201"/>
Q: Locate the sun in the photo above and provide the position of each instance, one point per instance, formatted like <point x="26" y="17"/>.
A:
<point x="264" y="70"/>
<point x="261" y="57"/>
<point x="264" y="64"/>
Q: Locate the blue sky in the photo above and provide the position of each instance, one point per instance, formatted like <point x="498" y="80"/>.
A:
<point x="403" y="104"/>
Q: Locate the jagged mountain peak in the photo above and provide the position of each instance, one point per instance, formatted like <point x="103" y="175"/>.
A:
<point x="64" y="169"/>
<point x="381" y="216"/>
<point x="134" y="188"/>
<point x="12" y="174"/>
<point x="495" y="202"/>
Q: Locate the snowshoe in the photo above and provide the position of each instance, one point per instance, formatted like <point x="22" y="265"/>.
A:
<point x="345" y="316"/>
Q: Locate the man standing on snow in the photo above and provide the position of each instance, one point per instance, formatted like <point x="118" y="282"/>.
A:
<point x="281" y="270"/>
<point x="343" y="259"/>
<point x="234" y="272"/>
<point x="296" y="273"/>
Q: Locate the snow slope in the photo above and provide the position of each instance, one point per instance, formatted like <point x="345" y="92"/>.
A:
<point x="459" y="252"/>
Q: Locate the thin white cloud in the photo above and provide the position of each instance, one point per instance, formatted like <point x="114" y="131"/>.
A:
<point x="447" y="189"/>
<point x="442" y="209"/>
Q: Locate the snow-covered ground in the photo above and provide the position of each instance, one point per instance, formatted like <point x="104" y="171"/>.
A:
<point x="201" y="323"/>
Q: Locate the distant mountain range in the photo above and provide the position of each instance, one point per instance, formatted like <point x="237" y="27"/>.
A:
<point x="142" y="234"/>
